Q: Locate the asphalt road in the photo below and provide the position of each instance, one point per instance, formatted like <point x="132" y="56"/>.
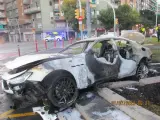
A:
<point x="9" y="50"/>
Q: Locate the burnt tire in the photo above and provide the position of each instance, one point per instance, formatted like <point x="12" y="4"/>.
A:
<point x="63" y="91"/>
<point x="142" y="71"/>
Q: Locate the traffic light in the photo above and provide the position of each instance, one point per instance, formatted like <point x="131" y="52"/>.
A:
<point x="77" y="13"/>
<point x="116" y="21"/>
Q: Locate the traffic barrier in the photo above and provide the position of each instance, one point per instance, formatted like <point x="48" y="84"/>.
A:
<point x="62" y="43"/>
<point x="71" y="40"/>
<point x="36" y="44"/>
<point x="55" y="42"/>
<point x="19" y="53"/>
<point x="45" y="43"/>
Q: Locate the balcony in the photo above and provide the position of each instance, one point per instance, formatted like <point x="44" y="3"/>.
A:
<point x="32" y="10"/>
<point x="27" y="21"/>
<point x="3" y="23"/>
<point x="26" y="2"/>
<point x="1" y="1"/>
<point x="1" y="7"/>
<point x="2" y="15"/>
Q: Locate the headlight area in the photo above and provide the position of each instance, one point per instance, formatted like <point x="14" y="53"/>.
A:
<point x="27" y="93"/>
<point x="20" y="79"/>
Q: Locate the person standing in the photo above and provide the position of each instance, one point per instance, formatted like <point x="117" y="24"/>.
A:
<point x="143" y="30"/>
<point x="158" y="32"/>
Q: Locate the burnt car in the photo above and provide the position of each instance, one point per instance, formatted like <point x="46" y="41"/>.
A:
<point x="58" y="77"/>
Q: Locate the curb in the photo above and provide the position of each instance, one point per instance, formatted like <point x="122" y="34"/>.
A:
<point x="134" y="111"/>
<point x="82" y="112"/>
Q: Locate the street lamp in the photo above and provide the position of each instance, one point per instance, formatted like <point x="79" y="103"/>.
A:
<point x="156" y="12"/>
<point x="80" y="23"/>
<point x="114" y="15"/>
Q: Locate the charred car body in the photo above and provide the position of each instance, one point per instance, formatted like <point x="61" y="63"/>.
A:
<point x="58" y="77"/>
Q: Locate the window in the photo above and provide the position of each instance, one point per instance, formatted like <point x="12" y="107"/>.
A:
<point x="97" y="47"/>
<point x="16" y="10"/>
<point x="50" y="3"/>
<point x="38" y="15"/>
<point x="75" y="49"/>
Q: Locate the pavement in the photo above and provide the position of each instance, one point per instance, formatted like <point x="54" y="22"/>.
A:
<point x="28" y="48"/>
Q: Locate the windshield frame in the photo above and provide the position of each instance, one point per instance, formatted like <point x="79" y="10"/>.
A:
<point x="84" y="48"/>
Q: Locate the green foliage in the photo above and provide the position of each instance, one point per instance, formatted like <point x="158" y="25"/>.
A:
<point x="106" y="18"/>
<point x="127" y="16"/>
<point x="68" y="8"/>
<point x="147" y="18"/>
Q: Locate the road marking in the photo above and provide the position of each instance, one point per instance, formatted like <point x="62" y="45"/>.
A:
<point x="9" y="115"/>
<point x="22" y="115"/>
<point x="6" y="113"/>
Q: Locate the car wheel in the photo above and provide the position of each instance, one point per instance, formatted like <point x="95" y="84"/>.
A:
<point x="58" y="39"/>
<point x="63" y="92"/>
<point x="142" y="71"/>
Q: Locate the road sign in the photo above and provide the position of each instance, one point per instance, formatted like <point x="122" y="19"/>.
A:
<point x="80" y="18"/>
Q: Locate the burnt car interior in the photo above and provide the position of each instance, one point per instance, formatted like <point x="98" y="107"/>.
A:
<point x="103" y="61"/>
<point x="125" y="49"/>
<point x="104" y="49"/>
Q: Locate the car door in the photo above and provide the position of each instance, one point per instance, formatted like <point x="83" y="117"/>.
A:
<point x="77" y="64"/>
<point x="126" y="55"/>
<point x="100" y="63"/>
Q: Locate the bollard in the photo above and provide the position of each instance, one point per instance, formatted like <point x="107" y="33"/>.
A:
<point x="19" y="54"/>
<point x="55" y="43"/>
<point x="71" y="40"/>
<point x="45" y="43"/>
<point x="62" y="43"/>
<point x="36" y="43"/>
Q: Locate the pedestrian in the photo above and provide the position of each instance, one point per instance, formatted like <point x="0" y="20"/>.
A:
<point x="158" y="32"/>
<point x="143" y="30"/>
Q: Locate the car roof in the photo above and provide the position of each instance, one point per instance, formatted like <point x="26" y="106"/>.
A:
<point x="100" y="38"/>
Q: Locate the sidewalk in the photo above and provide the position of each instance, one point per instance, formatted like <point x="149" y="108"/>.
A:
<point x="11" y="49"/>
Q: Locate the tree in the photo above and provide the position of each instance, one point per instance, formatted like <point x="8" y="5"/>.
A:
<point x="127" y="16"/>
<point x="106" y="18"/>
<point x="148" y="18"/>
<point x="68" y="8"/>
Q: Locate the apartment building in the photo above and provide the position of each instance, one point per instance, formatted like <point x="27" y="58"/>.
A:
<point x="3" y="22"/>
<point x="19" y="24"/>
<point x="43" y="16"/>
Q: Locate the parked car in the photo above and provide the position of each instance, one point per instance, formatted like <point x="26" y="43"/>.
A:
<point x="50" y="38"/>
<point x="57" y="78"/>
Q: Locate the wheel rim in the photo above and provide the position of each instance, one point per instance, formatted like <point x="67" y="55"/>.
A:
<point x="142" y="71"/>
<point x="64" y="91"/>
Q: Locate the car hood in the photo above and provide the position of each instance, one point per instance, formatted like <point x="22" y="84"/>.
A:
<point x="29" y="59"/>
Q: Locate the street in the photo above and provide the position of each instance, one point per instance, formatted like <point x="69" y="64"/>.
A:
<point x="28" y="48"/>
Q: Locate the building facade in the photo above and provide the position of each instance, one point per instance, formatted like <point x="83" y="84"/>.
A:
<point x="35" y="19"/>
<point x="3" y="21"/>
